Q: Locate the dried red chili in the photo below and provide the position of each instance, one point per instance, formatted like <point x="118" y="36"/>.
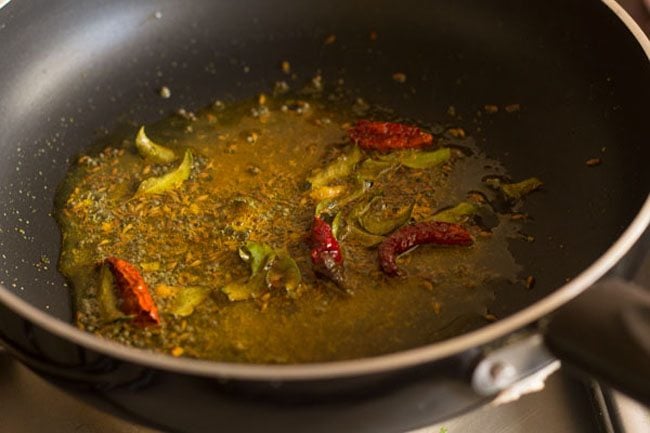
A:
<point x="135" y="298"/>
<point x="386" y="136"/>
<point x="432" y="232"/>
<point x="326" y="252"/>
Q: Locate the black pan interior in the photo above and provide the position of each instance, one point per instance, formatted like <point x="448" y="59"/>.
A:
<point x="72" y="73"/>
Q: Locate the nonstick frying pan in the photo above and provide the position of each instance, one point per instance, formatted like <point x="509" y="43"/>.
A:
<point x="73" y="73"/>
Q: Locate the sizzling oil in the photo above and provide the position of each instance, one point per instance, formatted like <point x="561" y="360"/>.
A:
<point x="248" y="183"/>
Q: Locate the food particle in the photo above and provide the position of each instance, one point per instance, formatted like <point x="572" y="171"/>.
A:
<point x="457" y="214"/>
<point x="164" y="92"/>
<point x="399" y="77"/>
<point x="456" y="132"/>
<point x="280" y="88"/>
<point x="152" y="151"/>
<point x="170" y="180"/>
<point x="185" y="241"/>
<point x="187" y="115"/>
<point x="386" y="136"/>
<point x="433" y="232"/>
<point x="516" y="191"/>
<point x="326" y="253"/>
<point x="512" y="108"/>
<point x="317" y="83"/>
<point x="530" y="282"/>
<point x="133" y="292"/>
<point x="476" y="197"/>
<point x="422" y="159"/>
<point x="490" y="317"/>
<point x="381" y="221"/>
<point x="337" y="169"/>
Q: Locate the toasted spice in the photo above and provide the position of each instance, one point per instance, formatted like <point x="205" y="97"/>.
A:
<point x="399" y="77"/>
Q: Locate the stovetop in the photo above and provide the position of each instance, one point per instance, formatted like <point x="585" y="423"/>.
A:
<point x="28" y="404"/>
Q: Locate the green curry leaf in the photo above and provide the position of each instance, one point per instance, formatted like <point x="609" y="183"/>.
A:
<point x="170" y="180"/>
<point x="256" y="254"/>
<point x="270" y="269"/>
<point x="456" y="214"/>
<point x="420" y="159"/>
<point x="151" y="150"/>
<point x="362" y="238"/>
<point x="330" y="206"/>
<point x="186" y="299"/>
<point x="106" y="295"/>
<point x="337" y="223"/>
<point x="371" y="169"/>
<point x="516" y="191"/>
<point x="247" y="288"/>
<point x="325" y="206"/>
<point x="283" y="273"/>
<point x="377" y="220"/>
<point x="339" y="168"/>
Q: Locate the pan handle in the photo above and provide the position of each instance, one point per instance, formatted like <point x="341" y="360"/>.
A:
<point x="605" y="332"/>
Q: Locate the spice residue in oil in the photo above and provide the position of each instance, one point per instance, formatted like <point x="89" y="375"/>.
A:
<point x="250" y="183"/>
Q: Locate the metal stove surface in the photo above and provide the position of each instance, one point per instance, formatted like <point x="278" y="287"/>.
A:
<point x="28" y="404"/>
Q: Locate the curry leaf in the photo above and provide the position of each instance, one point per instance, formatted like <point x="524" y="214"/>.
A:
<point x="152" y="151"/>
<point x="419" y="159"/>
<point x="337" y="224"/>
<point x="362" y="238"/>
<point x="456" y="214"/>
<point x="256" y="254"/>
<point x="339" y="168"/>
<point x="377" y="220"/>
<point x="370" y="169"/>
<point x="327" y="192"/>
<point x="247" y="288"/>
<point x="270" y="269"/>
<point x="516" y="191"/>
<point x="168" y="181"/>
<point x="283" y="273"/>
<point x="106" y="295"/>
<point x="186" y="299"/>
<point x="325" y="206"/>
<point x="330" y="206"/>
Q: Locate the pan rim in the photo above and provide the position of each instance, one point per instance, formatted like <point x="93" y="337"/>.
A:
<point x="362" y="366"/>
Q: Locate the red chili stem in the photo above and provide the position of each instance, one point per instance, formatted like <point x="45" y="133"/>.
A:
<point x="387" y="136"/>
<point x="432" y="232"/>
<point x="133" y="291"/>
